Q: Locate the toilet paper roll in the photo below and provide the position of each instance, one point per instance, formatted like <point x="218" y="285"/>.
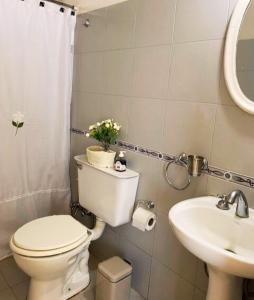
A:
<point x="143" y="219"/>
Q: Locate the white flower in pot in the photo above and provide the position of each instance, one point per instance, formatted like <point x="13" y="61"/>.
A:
<point x="105" y="132"/>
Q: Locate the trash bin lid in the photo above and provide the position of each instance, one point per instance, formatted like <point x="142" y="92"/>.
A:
<point x="114" y="269"/>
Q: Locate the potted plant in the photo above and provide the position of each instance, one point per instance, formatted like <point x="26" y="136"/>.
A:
<point x="106" y="132"/>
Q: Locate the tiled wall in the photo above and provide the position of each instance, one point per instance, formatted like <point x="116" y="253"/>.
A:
<point x="156" y="67"/>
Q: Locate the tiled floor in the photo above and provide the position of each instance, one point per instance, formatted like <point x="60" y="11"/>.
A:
<point x="89" y="295"/>
<point x="14" y="283"/>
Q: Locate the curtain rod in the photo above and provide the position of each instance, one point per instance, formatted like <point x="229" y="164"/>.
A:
<point x="62" y="4"/>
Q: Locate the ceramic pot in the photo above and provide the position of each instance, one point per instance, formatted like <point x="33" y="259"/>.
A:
<point x="98" y="157"/>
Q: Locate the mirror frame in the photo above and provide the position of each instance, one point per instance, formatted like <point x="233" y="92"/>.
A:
<point x="230" y="58"/>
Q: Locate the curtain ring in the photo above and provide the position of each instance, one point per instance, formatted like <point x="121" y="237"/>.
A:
<point x="182" y="164"/>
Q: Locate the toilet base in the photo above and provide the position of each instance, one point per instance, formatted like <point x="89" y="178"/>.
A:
<point x="52" y="290"/>
<point x="74" y="289"/>
<point x="69" y="279"/>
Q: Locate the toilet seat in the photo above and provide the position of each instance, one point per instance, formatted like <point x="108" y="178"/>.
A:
<point x="49" y="236"/>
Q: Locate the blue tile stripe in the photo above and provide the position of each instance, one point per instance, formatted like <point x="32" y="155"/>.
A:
<point x="211" y="171"/>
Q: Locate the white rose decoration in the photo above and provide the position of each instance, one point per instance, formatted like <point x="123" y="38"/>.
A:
<point x="18" y="120"/>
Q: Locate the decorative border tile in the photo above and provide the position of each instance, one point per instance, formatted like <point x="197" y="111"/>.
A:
<point x="78" y="131"/>
<point x="211" y="171"/>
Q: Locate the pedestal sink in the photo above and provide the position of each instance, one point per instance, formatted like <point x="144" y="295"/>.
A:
<point x="219" y="238"/>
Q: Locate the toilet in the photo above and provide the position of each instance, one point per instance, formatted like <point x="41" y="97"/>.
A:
<point x="53" y="251"/>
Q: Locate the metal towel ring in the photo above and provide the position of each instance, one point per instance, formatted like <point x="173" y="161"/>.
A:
<point x="182" y="161"/>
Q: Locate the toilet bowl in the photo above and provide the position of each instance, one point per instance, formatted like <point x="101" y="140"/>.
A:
<point x="53" y="251"/>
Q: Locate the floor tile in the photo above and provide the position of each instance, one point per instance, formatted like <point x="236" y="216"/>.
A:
<point x="20" y="290"/>
<point x="135" y="295"/>
<point x="7" y="295"/>
<point x="89" y="294"/>
<point x="11" y="272"/>
<point x="3" y="284"/>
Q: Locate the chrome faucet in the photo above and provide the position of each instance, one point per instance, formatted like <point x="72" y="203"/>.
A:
<point x="242" y="208"/>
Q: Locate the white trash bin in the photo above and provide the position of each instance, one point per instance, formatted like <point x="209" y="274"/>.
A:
<point x="113" y="280"/>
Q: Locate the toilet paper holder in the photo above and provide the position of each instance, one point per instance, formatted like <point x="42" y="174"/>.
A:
<point x="148" y="204"/>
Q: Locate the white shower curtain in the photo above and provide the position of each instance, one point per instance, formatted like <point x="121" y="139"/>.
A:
<point x="36" y="62"/>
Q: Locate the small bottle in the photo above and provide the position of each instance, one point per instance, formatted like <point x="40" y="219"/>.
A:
<point x="121" y="163"/>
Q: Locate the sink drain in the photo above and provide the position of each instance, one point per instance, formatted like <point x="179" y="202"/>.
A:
<point x="229" y="250"/>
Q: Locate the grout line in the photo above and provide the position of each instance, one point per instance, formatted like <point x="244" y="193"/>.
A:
<point x="213" y="132"/>
<point x="166" y="99"/>
<point x="226" y="175"/>
<point x="176" y="273"/>
<point x="148" y="46"/>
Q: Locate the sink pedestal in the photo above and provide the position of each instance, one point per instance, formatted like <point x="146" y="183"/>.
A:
<point x="223" y="286"/>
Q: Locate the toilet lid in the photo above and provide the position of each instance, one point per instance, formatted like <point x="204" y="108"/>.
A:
<point x="49" y="233"/>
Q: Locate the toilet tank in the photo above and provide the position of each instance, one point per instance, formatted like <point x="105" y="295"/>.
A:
<point x="108" y="194"/>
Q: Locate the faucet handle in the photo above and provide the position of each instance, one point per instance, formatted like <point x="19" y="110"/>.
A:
<point x="223" y="202"/>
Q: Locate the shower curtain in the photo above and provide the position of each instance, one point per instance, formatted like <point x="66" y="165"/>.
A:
<point x="36" y="60"/>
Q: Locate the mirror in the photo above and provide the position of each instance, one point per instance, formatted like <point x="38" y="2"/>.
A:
<point x="239" y="55"/>
<point x="245" y="54"/>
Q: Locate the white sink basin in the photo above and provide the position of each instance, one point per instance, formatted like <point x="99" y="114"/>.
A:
<point x="225" y="242"/>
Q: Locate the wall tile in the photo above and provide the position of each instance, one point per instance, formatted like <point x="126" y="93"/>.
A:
<point x="167" y="285"/>
<point x="201" y="278"/>
<point x="233" y="138"/>
<point x="146" y="122"/>
<point x="151" y="181"/>
<point x="120" y="26"/>
<point x="153" y="186"/>
<point x="189" y="128"/>
<point x="154" y="22"/>
<point x="141" y="263"/>
<point x="78" y="145"/>
<point x="116" y="107"/>
<point x="74" y="108"/>
<point x="91" y="73"/>
<point x="232" y="4"/>
<point x="168" y="251"/>
<point x="199" y="20"/>
<point x="118" y="69"/>
<point x="106" y="246"/>
<point x="195" y="72"/>
<point x="92" y="38"/>
<point x="86" y="109"/>
<point x="151" y="72"/>
<point x="143" y="240"/>
<point x="167" y="196"/>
